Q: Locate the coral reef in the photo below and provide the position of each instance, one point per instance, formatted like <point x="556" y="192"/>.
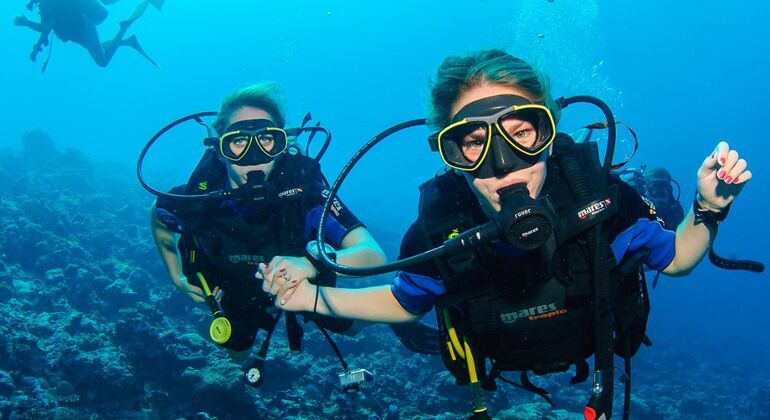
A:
<point x="94" y="329"/>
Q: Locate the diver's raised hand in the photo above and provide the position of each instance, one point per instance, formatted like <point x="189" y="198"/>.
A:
<point x="721" y="178"/>
<point x="21" y="21"/>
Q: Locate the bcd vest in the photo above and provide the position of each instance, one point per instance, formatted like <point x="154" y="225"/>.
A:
<point x="530" y="312"/>
<point x="225" y="242"/>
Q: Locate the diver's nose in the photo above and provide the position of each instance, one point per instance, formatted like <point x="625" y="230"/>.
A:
<point x="502" y="155"/>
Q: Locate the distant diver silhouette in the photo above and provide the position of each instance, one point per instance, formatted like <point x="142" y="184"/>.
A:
<point x="76" y="20"/>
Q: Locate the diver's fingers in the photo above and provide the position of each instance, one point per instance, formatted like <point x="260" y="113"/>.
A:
<point x="275" y="266"/>
<point x="260" y="274"/>
<point x="269" y="271"/>
<point x="195" y="289"/>
<point x="708" y="166"/>
<point x="195" y="293"/>
<point x="286" y="297"/>
<point x="279" y="279"/>
<point x="267" y="280"/>
<point x="727" y="166"/>
<point x="736" y="171"/>
<point x="218" y="294"/>
<point x="288" y="286"/>
<point x="742" y="178"/>
<point x="721" y="152"/>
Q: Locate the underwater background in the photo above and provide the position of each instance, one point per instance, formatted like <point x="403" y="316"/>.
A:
<point x="93" y="327"/>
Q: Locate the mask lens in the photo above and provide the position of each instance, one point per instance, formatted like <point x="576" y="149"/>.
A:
<point x="235" y="144"/>
<point x="272" y="141"/>
<point x="530" y="129"/>
<point x="462" y="145"/>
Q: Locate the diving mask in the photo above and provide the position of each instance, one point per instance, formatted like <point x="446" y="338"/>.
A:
<point x="515" y="130"/>
<point x="252" y="142"/>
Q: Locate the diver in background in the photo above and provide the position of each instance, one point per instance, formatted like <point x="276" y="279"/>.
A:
<point x="657" y="185"/>
<point x="659" y="189"/>
<point x="76" y="20"/>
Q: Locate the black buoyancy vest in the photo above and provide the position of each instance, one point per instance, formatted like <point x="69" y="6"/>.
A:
<point x="227" y="246"/>
<point x="532" y="314"/>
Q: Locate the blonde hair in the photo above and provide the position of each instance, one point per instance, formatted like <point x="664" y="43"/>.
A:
<point x="266" y="96"/>
<point x="459" y="73"/>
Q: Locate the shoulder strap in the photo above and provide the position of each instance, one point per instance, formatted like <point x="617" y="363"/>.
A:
<point x="209" y="174"/>
<point x="447" y="207"/>
<point x="603" y="263"/>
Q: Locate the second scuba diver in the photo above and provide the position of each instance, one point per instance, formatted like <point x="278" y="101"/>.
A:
<point x="271" y="213"/>
<point x="550" y="291"/>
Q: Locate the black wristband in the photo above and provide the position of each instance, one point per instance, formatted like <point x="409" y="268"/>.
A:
<point x="707" y="217"/>
<point x="317" y="292"/>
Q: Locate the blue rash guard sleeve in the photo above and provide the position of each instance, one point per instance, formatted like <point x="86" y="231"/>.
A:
<point x="334" y="229"/>
<point x="637" y="226"/>
<point x="340" y="220"/>
<point x="417" y="289"/>
<point x="416" y="293"/>
<point x="650" y="234"/>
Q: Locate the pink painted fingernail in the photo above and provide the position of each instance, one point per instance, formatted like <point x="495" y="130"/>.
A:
<point x="721" y="174"/>
<point x="728" y="179"/>
<point x="736" y="179"/>
<point x="293" y="281"/>
<point x="722" y="161"/>
<point x="282" y="271"/>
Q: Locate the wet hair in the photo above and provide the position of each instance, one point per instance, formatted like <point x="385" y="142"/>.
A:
<point x="265" y="96"/>
<point x="459" y="73"/>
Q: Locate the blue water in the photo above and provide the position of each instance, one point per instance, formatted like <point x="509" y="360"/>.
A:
<point x="684" y="74"/>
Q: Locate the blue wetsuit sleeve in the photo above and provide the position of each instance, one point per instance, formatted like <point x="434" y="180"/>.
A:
<point x="340" y="221"/>
<point x="417" y="289"/>
<point x="334" y="229"/>
<point x="650" y="234"/>
<point x="164" y="210"/>
<point x="416" y="293"/>
<point x="637" y="226"/>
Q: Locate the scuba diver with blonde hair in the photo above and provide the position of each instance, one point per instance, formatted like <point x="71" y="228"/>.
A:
<point x="253" y="202"/>
<point x="76" y="21"/>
